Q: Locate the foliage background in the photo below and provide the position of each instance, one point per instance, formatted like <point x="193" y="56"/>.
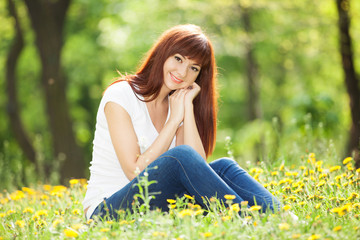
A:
<point x="302" y="96"/>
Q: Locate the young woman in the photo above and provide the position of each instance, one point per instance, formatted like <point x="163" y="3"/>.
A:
<point x="164" y="118"/>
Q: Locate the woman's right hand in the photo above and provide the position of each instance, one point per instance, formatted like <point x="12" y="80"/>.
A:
<point x="177" y="106"/>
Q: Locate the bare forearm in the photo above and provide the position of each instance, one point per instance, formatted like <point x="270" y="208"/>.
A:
<point x="191" y="133"/>
<point x="159" y="146"/>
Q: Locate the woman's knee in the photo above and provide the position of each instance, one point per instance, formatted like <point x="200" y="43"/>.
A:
<point x="184" y="154"/>
<point x="225" y="163"/>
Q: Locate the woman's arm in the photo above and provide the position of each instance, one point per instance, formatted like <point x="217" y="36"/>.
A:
<point x="188" y="133"/>
<point x="124" y="138"/>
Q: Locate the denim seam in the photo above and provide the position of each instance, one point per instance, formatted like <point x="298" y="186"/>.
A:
<point x="250" y="193"/>
<point x="184" y="172"/>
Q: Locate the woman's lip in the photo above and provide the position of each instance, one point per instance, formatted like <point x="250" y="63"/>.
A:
<point x="175" y="79"/>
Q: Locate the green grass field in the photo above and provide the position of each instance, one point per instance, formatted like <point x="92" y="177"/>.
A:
<point x="325" y="198"/>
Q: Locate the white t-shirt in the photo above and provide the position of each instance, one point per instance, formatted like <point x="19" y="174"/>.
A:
<point x="106" y="174"/>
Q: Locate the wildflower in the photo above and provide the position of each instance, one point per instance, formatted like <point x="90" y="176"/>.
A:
<point x="70" y="233"/>
<point x="172" y="206"/>
<point x="47" y="187"/>
<point x="198" y="212"/>
<point x="286" y="207"/>
<point x="171" y="201"/>
<point x="255" y="208"/>
<point x="74" y="181"/>
<point x="189" y="197"/>
<point x="317" y="206"/>
<point x="76" y="211"/>
<point x="2" y="215"/>
<point x="225" y="218"/>
<point x="244" y="203"/>
<point x="296" y="236"/>
<point x="335" y="168"/>
<point x="44" y="197"/>
<point x="186" y="212"/>
<point x="41" y="223"/>
<point x="56" y="222"/>
<point x="347" y="160"/>
<point x="275" y="173"/>
<point x="314" y="237"/>
<point x="104" y="229"/>
<point x="20" y="223"/>
<point x="159" y="234"/>
<point x="28" y="210"/>
<point x="234" y="208"/>
<point x="337" y="228"/>
<point x="284" y="226"/>
<point x="302" y="203"/>
<point x="28" y="190"/>
<point x="43" y="203"/>
<point x="207" y="234"/>
<point x="41" y="213"/>
<point x="281" y="168"/>
<point x="321" y="183"/>
<point x="255" y="223"/>
<point x="353" y="196"/>
<point x="229" y="197"/>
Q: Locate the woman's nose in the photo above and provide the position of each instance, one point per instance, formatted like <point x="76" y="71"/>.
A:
<point x="183" y="70"/>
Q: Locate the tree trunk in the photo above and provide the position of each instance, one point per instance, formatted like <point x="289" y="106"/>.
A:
<point x="253" y="83"/>
<point x="13" y="110"/>
<point x="47" y="18"/>
<point x="351" y="80"/>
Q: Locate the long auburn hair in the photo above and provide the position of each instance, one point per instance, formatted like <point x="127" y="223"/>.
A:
<point x="189" y="41"/>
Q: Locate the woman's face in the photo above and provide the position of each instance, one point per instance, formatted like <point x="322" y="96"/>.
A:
<point x="180" y="72"/>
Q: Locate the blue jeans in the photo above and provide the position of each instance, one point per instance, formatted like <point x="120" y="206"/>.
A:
<point x="182" y="170"/>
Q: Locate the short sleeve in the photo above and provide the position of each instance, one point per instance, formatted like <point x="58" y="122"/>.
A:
<point x="120" y="93"/>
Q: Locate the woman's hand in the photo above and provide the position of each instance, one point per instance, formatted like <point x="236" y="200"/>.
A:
<point x="191" y="92"/>
<point x="177" y="105"/>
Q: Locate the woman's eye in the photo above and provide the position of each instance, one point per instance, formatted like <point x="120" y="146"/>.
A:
<point x="195" y="69"/>
<point x="178" y="59"/>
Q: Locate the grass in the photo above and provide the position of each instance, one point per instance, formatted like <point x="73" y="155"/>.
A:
<point x="325" y="198"/>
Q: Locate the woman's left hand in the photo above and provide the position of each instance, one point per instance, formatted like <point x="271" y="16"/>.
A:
<point x="192" y="91"/>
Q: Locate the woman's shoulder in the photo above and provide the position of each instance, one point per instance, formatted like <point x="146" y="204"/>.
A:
<point x="120" y="87"/>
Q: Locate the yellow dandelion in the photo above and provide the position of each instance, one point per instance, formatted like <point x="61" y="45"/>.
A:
<point x="229" y="197"/>
<point x="189" y="197"/>
<point x="302" y="203"/>
<point x="122" y="222"/>
<point x="255" y="223"/>
<point x="284" y="226"/>
<point x="74" y="181"/>
<point x="2" y="215"/>
<point x="337" y="228"/>
<point x="358" y="170"/>
<point x="70" y="233"/>
<point x="57" y="222"/>
<point x="234" y="208"/>
<point x="347" y="160"/>
<point x="104" y="229"/>
<point x="76" y="211"/>
<point x="43" y="203"/>
<point x="255" y="208"/>
<point x="172" y="206"/>
<point x="274" y="173"/>
<point x="171" y="201"/>
<point x="28" y="190"/>
<point x="281" y="168"/>
<point x="314" y="237"/>
<point x="334" y="168"/>
<point x="28" y="210"/>
<point x="198" y="212"/>
<point x="286" y="207"/>
<point x="186" y="212"/>
<point x="296" y="236"/>
<point x="42" y="213"/>
<point x="207" y="234"/>
<point x="20" y="223"/>
<point x="321" y="183"/>
<point x="226" y="218"/>
<point x="317" y="206"/>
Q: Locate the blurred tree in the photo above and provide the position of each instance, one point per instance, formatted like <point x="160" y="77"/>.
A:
<point x="13" y="110"/>
<point x="48" y="18"/>
<point x="351" y="79"/>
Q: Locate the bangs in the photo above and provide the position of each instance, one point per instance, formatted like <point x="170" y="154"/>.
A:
<point x="194" y="47"/>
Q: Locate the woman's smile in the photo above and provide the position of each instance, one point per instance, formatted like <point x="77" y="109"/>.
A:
<point x="175" y="79"/>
